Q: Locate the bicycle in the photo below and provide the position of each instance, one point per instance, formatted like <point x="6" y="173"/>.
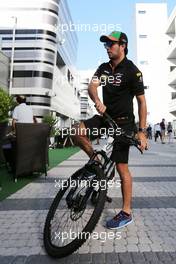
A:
<point x="71" y="209"/>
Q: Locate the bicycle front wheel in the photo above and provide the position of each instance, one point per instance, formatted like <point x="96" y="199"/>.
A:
<point x="71" y="218"/>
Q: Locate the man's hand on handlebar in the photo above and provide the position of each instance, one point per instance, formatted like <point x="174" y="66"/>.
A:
<point x="100" y="107"/>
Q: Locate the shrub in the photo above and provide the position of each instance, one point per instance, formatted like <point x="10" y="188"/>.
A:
<point x="6" y="104"/>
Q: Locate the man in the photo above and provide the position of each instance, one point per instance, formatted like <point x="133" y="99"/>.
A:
<point x="163" y="130"/>
<point x="169" y="132"/>
<point x="121" y="81"/>
<point x="149" y="132"/>
<point x="157" y="129"/>
<point x="22" y="113"/>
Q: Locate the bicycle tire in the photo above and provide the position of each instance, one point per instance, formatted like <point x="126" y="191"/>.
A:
<point x="59" y="252"/>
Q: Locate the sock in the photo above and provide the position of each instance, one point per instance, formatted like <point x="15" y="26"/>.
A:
<point x="126" y="213"/>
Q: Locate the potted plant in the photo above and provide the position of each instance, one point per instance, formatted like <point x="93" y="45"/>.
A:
<point x="49" y="119"/>
<point x="6" y="103"/>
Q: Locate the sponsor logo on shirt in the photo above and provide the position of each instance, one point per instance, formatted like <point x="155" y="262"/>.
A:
<point x="139" y="75"/>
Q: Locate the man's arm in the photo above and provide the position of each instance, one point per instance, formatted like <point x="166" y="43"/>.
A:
<point x="93" y="93"/>
<point x="142" y="112"/>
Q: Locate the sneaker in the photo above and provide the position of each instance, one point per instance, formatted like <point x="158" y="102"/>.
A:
<point x="120" y="220"/>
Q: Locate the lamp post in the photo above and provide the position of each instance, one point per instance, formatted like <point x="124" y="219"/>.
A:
<point x="12" y="54"/>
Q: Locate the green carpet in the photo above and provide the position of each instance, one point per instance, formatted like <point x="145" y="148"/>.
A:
<point x="8" y="186"/>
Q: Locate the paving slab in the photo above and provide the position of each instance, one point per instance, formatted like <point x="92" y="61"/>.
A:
<point x="149" y="239"/>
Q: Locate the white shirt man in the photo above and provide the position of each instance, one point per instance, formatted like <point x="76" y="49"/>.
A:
<point x="157" y="127"/>
<point x="157" y="130"/>
<point x="22" y="113"/>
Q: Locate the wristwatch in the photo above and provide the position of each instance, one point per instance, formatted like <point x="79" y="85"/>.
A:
<point x="140" y="129"/>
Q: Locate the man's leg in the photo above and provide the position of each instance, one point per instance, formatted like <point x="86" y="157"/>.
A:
<point x="163" y="136"/>
<point x="124" y="217"/>
<point x="81" y="139"/>
<point x="126" y="186"/>
<point x="150" y="135"/>
<point x="156" y="136"/>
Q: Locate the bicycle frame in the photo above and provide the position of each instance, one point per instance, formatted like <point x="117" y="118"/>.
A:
<point x="108" y="163"/>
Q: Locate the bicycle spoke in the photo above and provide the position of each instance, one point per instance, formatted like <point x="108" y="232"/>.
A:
<point x="63" y="229"/>
<point x="56" y="231"/>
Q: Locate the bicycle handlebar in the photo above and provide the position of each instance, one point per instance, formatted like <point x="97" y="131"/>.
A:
<point x="132" y="141"/>
<point x="135" y="142"/>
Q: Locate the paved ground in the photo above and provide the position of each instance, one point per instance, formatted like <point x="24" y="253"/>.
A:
<point x="151" y="238"/>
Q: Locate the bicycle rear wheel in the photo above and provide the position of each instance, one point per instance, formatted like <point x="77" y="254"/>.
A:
<point x="68" y="225"/>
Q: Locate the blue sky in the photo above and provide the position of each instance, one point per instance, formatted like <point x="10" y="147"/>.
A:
<point x="99" y="12"/>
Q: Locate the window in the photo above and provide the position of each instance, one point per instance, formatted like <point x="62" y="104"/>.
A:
<point x="142" y="36"/>
<point x="142" y="12"/>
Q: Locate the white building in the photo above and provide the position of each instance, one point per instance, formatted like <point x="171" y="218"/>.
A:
<point x="32" y="29"/>
<point x="86" y="104"/>
<point x="4" y="71"/>
<point x="171" y="55"/>
<point x="151" y="20"/>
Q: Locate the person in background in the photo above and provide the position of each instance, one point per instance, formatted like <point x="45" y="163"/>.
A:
<point x="157" y="130"/>
<point x="169" y="132"/>
<point x="149" y="132"/>
<point x="163" y="130"/>
<point x="22" y="113"/>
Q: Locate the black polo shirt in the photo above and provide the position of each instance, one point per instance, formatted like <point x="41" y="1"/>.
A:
<point x="120" y="86"/>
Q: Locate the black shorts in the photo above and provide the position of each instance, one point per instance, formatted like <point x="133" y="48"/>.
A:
<point x="120" y="153"/>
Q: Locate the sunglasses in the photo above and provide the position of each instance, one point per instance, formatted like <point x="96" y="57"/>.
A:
<point x="109" y="44"/>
